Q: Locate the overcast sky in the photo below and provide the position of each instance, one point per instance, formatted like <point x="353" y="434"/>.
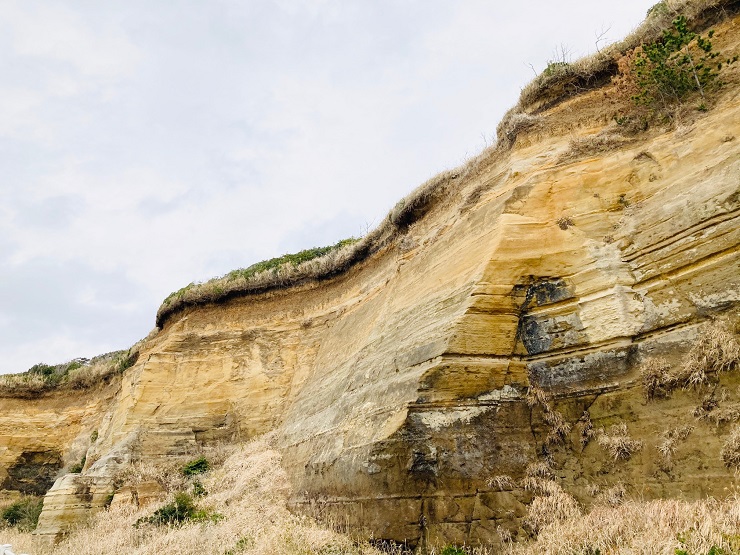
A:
<point x="148" y="144"/>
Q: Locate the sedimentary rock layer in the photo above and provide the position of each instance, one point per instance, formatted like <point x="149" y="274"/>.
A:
<point x="397" y="390"/>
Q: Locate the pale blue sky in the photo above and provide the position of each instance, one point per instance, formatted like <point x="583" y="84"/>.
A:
<point x="148" y="144"/>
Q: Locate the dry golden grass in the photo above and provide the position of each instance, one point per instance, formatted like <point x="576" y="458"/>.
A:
<point x="81" y="374"/>
<point x="249" y="489"/>
<point x="640" y="528"/>
<point x="716" y="350"/>
<point x="559" y="428"/>
<point x="731" y="449"/>
<point x="617" y="442"/>
<point x="554" y="505"/>
<point x="593" y="144"/>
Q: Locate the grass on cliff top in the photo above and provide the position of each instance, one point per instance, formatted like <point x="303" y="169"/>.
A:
<point x="80" y="373"/>
<point x="560" y="80"/>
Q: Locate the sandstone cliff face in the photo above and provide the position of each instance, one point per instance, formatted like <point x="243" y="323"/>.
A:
<point x="397" y="390"/>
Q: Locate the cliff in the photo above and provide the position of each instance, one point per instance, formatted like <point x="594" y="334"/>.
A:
<point x="413" y="391"/>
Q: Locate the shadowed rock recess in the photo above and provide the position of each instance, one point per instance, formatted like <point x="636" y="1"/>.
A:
<point x="397" y="390"/>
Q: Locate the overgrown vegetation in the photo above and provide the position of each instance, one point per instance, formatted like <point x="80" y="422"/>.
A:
<point x="641" y="528"/>
<point x="731" y="450"/>
<point x="22" y="514"/>
<point x="80" y="373"/>
<point x="180" y="510"/>
<point x="617" y="442"/>
<point x="197" y="466"/>
<point x="77" y="467"/>
<point x="245" y="484"/>
<point x="716" y="350"/>
<point x="680" y="63"/>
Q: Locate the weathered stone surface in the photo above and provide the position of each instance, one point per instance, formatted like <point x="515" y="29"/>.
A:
<point x="396" y="389"/>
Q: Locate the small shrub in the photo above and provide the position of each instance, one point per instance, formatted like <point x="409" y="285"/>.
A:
<point x="199" y="489"/>
<point x="77" y="468"/>
<point x="452" y="550"/>
<point x="656" y="377"/>
<point x="671" y="438"/>
<point x="181" y="510"/>
<point x="198" y="466"/>
<point x="731" y="450"/>
<point x="501" y="483"/>
<point x="679" y="63"/>
<point x="94" y="436"/>
<point x="555" y="505"/>
<point x="23" y="514"/>
<point x="618" y="443"/>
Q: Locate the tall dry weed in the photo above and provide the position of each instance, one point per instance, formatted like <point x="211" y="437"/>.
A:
<point x="249" y="489"/>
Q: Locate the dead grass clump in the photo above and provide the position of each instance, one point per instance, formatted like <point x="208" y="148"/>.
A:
<point x="617" y="442"/>
<point x="642" y="528"/>
<point x="613" y="496"/>
<point x="586" y="427"/>
<point x="723" y="415"/>
<point x="539" y="469"/>
<point x="731" y="450"/>
<point x="592" y="145"/>
<point x="717" y="350"/>
<point x="501" y="482"/>
<point x="559" y="428"/>
<point x="249" y="490"/>
<point x="552" y="506"/>
<point x="657" y="379"/>
<point x="79" y="373"/>
<point x="669" y="443"/>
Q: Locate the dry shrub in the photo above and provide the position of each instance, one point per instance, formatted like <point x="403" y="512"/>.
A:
<point x="642" y="528"/>
<point x="657" y="379"/>
<point x="613" y="496"/>
<point x="716" y="350"/>
<point x="501" y="482"/>
<point x="593" y="144"/>
<point x="538" y="469"/>
<point x="249" y="490"/>
<point x="559" y="427"/>
<point x="552" y="506"/>
<point x="731" y="450"/>
<point x="617" y="442"/>
<point x="722" y="415"/>
<point x="671" y="438"/>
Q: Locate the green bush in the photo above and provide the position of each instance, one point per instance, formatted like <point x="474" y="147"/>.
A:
<point x="77" y="468"/>
<point x="675" y="66"/>
<point x="198" y="466"/>
<point x="453" y="550"/>
<point x="181" y="510"/>
<point x="23" y="514"/>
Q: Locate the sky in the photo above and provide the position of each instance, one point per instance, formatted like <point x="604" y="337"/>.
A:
<point x="148" y="144"/>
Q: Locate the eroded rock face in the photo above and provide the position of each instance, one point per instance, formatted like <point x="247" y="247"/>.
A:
<point x="397" y="390"/>
<point x="34" y="472"/>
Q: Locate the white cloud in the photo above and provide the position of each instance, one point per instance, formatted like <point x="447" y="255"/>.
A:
<point x="146" y="145"/>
